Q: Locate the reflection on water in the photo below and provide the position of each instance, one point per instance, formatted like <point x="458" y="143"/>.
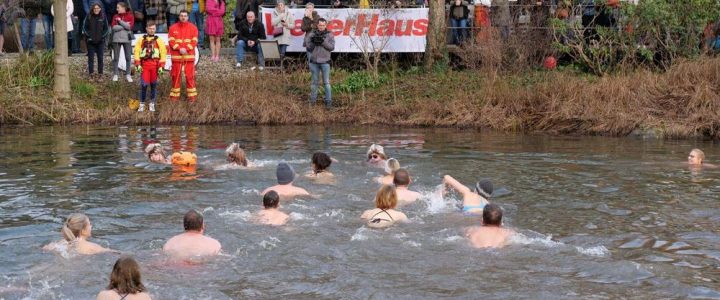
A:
<point x="598" y="217"/>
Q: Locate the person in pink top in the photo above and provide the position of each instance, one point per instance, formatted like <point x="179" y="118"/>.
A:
<point x="214" y="25"/>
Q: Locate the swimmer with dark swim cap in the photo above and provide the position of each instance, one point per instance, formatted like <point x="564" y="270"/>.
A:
<point x="402" y="180"/>
<point x="473" y="201"/>
<point x="156" y="154"/>
<point x="320" y="164"/>
<point x="285" y="188"/>
<point x="491" y="234"/>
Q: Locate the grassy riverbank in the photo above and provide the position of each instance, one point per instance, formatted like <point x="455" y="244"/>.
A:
<point x="682" y="102"/>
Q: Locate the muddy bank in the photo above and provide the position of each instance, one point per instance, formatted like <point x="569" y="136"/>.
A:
<point x="683" y="102"/>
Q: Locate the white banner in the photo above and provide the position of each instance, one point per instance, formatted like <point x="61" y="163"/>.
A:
<point x="364" y="30"/>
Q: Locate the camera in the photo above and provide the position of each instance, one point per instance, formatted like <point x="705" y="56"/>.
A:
<point x="318" y="38"/>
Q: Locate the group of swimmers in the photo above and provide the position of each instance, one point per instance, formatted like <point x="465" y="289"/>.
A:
<point x="125" y="279"/>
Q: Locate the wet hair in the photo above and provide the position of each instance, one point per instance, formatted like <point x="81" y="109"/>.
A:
<point x="235" y="154"/>
<point x="401" y="178"/>
<point x="154" y="148"/>
<point x="193" y="220"/>
<point x="700" y="154"/>
<point x="392" y="166"/>
<point x="492" y="215"/>
<point x="271" y="199"/>
<point x="125" y="277"/>
<point x="386" y="198"/>
<point x="321" y="161"/>
<point x="74" y="225"/>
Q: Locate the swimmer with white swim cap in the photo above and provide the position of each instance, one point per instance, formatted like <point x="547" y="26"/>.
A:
<point x="376" y="156"/>
<point x="384" y="213"/>
<point x="491" y="234"/>
<point x="473" y="201"/>
<point x="76" y="231"/>
<point x="156" y="154"/>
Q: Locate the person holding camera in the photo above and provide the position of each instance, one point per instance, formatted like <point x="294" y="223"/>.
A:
<point x="320" y="43"/>
<point x="309" y="23"/>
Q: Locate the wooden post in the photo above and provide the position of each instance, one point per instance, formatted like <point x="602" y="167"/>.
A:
<point x="436" y="46"/>
<point x="62" y="70"/>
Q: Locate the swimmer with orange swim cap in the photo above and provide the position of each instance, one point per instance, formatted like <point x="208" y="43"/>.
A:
<point x="184" y="158"/>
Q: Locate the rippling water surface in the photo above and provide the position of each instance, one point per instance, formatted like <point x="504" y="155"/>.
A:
<point x="597" y="217"/>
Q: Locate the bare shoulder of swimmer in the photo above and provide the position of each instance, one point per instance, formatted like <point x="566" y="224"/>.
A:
<point x="367" y="214"/>
<point x="93" y="248"/>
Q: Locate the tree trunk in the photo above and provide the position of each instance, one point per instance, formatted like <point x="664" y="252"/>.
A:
<point x="62" y="70"/>
<point x="436" y="47"/>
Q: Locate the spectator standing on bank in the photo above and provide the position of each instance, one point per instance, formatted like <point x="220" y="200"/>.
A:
<point x="183" y="39"/>
<point x="282" y="18"/>
<point x="3" y="21"/>
<point x="309" y="23"/>
<point x="47" y="21"/>
<point x="68" y="18"/>
<point x="155" y="11"/>
<point x="27" y="23"/>
<point x="77" y="18"/>
<point x="250" y="32"/>
<point x="459" y="13"/>
<point x="215" y="28"/>
<point x="149" y="58"/>
<point x="137" y="7"/>
<point x="174" y="8"/>
<point x="95" y="30"/>
<point x="196" y="9"/>
<point x="122" y="24"/>
<point x="320" y="43"/>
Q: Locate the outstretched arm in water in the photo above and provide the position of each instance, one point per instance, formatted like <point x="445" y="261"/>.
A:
<point x="456" y="185"/>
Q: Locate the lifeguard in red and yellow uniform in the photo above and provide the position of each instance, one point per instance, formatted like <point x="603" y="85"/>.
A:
<point x="183" y="39"/>
<point x="149" y="57"/>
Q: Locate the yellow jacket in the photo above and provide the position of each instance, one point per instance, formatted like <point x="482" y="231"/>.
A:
<point x="157" y="52"/>
<point x="201" y="4"/>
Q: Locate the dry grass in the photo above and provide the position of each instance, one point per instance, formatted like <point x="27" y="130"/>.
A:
<point x="683" y="102"/>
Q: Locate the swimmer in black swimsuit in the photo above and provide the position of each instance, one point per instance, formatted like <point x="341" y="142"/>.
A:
<point x="385" y="203"/>
<point x="125" y="282"/>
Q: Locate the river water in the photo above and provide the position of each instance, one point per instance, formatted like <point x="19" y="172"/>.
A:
<point x="596" y="217"/>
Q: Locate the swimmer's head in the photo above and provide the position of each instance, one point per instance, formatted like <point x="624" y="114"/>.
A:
<point x="193" y="221"/>
<point x="376" y="153"/>
<point x="401" y="178"/>
<point x="236" y="155"/>
<point x="320" y="161"/>
<point x="125" y="277"/>
<point x="696" y="157"/>
<point x="285" y="173"/>
<point x="183" y="158"/>
<point x="155" y="152"/>
<point x="484" y="188"/>
<point x="271" y="199"/>
<point x="492" y="215"/>
<point x="386" y="198"/>
<point x="76" y="225"/>
<point x="392" y="166"/>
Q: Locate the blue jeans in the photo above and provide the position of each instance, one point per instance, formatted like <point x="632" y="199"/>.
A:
<point x="283" y="49"/>
<point x="198" y="19"/>
<point x="76" y="34"/>
<point x="48" y="26"/>
<point x="242" y="47"/>
<point x="315" y="70"/>
<point x="459" y="30"/>
<point x="27" y="30"/>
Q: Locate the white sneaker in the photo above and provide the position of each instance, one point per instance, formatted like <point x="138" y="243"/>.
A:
<point x="115" y="78"/>
<point x="262" y="68"/>
<point x="238" y="65"/>
<point x="129" y="78"/>
<point x="142" y="107"/>
<point x="152" y="106"/>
